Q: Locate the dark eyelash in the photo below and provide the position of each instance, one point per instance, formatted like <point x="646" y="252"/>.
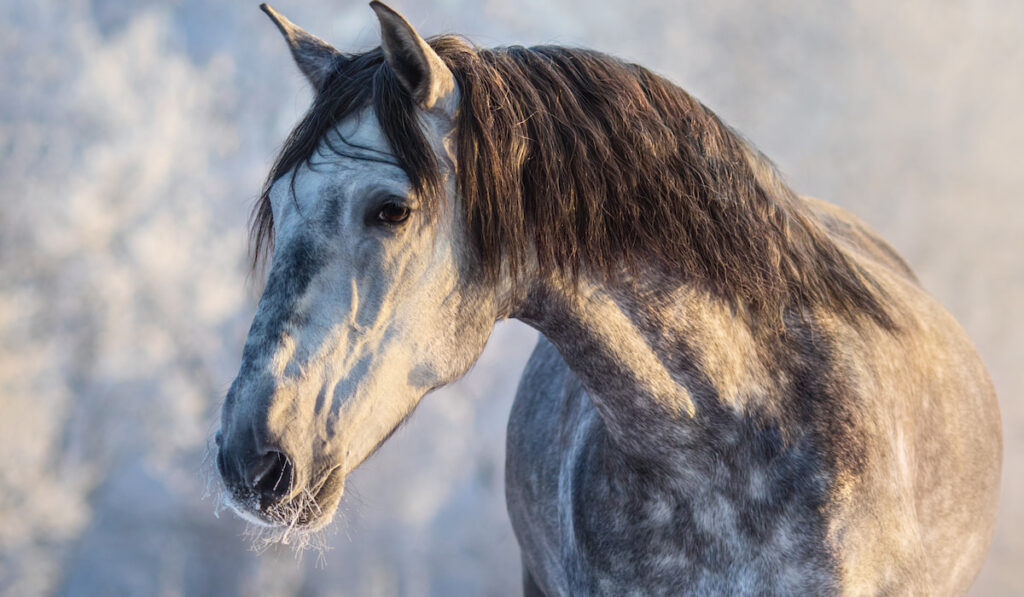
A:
<point x="393" y="213"/>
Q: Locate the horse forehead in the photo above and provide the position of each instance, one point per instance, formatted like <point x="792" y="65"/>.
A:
<point x="353" y="156"/>
<point x="361" y="130"/>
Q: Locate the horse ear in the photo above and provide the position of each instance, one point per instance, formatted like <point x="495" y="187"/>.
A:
<point x="314" y="56"/>
<point x="418" y="67"/>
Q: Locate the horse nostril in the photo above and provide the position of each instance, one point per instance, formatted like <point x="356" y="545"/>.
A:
<point x="271" y="476"/>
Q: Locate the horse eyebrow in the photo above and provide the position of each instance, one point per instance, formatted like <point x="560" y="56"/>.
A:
<point x="350" y="143"/>
<point x="358" y="157"/>
<point x="387" y="158"/>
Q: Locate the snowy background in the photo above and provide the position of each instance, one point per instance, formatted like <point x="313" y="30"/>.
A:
<point x="135" y="135"/>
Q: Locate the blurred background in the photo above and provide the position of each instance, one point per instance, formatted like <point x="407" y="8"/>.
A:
<point x="134" y="137"/>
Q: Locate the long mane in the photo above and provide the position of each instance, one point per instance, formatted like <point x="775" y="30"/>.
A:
<point x="595" y="165"/>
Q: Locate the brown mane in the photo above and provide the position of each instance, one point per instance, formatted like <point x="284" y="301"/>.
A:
<point x="595" y="164"/>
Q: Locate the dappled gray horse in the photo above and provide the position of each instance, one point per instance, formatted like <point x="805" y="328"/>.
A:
<point x="738" y="390"/>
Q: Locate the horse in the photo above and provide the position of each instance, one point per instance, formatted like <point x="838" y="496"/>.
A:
<point x="736" y="390"/>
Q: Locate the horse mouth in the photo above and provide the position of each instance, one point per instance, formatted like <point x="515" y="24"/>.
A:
<point x="310" y="510"/>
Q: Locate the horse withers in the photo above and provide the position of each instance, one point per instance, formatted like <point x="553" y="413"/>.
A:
<point x="737" y="391"/>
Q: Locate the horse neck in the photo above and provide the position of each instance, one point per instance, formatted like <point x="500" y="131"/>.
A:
<point x="651" y="354"/>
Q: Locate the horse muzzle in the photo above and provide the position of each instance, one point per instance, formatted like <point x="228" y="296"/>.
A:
<point x="265" y="485"/>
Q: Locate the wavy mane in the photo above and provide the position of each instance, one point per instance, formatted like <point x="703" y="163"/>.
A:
<point x="594" y="164"/>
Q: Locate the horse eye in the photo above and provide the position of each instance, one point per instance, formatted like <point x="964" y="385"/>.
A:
<point x="393" y="213"/>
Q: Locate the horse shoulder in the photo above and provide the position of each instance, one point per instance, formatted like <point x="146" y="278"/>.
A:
<point x="931" y="411"/>
<point x="924" y="506"/>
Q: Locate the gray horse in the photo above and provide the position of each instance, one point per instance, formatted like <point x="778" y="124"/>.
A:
<point x="738" y="390"/>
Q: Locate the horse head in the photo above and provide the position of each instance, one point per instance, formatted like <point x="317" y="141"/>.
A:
<point x="371" y="300"/>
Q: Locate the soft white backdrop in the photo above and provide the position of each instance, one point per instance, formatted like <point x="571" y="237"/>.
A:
<point x="134" y="136"/>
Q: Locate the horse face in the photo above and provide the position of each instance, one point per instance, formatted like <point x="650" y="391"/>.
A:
<point x="368" y="306"/>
